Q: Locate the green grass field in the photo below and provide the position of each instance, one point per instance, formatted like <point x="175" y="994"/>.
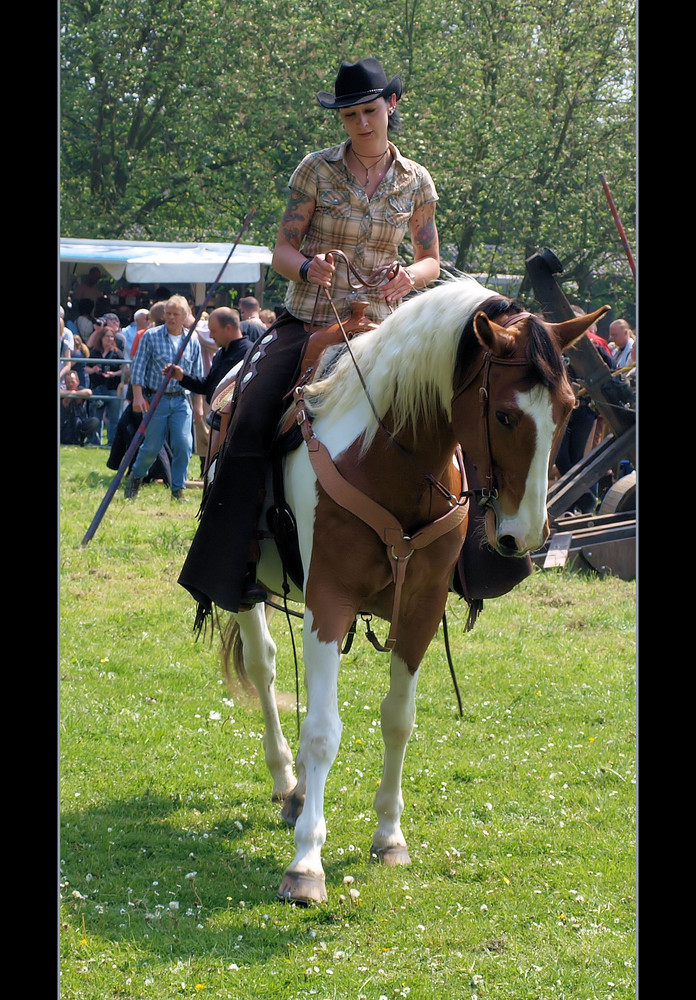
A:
<point x="520" y="815"/>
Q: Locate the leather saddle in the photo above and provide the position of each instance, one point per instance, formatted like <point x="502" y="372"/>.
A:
<point x="223" y="399"/>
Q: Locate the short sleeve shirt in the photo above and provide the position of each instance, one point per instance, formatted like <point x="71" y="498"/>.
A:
<point x="368" y="231"/>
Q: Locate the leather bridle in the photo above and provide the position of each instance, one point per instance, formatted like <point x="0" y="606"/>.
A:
<point x="489" y="492"/>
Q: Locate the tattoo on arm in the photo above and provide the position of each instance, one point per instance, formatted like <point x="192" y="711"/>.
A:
<point x="296" y="217"/>
<point x="425" y="231"/>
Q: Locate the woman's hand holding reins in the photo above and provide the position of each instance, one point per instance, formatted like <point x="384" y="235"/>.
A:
<point x="321" y="270"/>
<point x="400" y="283"/>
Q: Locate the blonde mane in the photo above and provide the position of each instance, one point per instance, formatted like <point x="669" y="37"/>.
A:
<point x="407" y="362"/>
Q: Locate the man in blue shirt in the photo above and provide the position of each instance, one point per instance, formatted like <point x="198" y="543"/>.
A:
<point x="171" y="420"/>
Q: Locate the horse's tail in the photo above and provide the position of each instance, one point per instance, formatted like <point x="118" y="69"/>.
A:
<point x="232" y="654"/>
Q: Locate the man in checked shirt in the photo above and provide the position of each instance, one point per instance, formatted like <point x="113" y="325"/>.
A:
<point x="171" y="420"/>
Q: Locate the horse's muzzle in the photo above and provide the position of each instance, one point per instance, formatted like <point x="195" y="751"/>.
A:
<point x="508" y="542"/>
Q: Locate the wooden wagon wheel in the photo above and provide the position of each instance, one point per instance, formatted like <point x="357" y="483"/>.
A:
<point x="621" y="496"/>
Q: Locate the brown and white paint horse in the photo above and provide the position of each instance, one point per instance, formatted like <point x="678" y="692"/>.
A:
<point x="438" y="373"/>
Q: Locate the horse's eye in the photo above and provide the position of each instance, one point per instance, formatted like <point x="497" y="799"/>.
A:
<point x="503" y="418"/>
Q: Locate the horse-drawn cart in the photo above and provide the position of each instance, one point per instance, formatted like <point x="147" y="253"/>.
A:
<point x="605" y="540"/>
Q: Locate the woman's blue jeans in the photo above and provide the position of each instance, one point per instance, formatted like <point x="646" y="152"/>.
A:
<point x="109" y="408"/>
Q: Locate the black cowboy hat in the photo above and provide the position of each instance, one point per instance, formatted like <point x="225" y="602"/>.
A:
<point x="359" y="83"/>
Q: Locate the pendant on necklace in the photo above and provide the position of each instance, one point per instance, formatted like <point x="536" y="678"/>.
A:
<point x="368" y="168"/>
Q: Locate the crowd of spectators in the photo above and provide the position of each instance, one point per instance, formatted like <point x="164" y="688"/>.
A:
<point x="98" y="344"/>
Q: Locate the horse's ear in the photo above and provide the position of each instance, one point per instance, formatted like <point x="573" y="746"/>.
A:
<point x="491" y="336"/>
<point x="570" y="330"/>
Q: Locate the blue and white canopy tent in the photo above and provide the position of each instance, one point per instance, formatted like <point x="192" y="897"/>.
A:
<point x="143" y="262"/>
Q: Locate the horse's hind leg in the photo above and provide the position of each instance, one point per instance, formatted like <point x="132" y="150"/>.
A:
<point x="259" y="660"/>
<point x="398" y="715"/>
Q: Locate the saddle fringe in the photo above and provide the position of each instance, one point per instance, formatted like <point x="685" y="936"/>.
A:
<point x="203" y="619"/>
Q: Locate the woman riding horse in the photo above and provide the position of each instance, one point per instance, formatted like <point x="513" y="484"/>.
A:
<point x="361" y="196"/>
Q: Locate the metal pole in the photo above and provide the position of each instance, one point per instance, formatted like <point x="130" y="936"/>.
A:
<point x="140" y="433"/>
<point x="617" y="220"/>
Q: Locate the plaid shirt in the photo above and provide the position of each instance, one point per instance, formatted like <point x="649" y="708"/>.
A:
<point x="369" y="232"/>
<point x="155" y="350"/>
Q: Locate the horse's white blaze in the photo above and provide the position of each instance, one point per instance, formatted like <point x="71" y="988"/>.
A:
<point x="319" y="742"/>
<point x="528" y="525"/>
<point x="398" y="714"/>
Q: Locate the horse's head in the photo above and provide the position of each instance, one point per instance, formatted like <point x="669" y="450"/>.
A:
<point x="509" y="412"/>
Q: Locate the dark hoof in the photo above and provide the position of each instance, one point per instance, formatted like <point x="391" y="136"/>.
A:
<point x="390" y="856"/>
<point x="292" y="808"/>
<point x="303" y="889"/>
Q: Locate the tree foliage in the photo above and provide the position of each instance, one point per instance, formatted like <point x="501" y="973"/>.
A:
<point x="180" y="116"/>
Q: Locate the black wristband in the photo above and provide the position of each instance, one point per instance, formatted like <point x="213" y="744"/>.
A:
<point x="304" y="269"/>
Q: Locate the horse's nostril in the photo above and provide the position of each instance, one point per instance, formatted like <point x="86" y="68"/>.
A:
<point x="507" y="544"/>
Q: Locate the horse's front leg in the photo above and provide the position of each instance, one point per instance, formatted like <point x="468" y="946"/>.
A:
<point x="320" y="739"/>
<point x="418" y="624"/>
<point x="398" y="715"/>
<point x="259" y="650"/>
